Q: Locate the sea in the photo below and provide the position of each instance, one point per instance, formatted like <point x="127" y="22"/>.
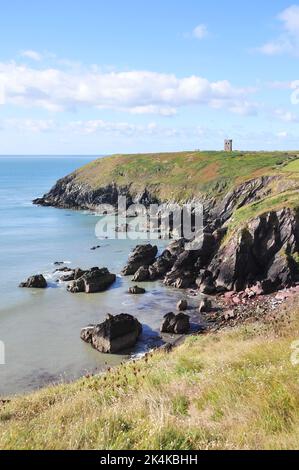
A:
<point x="40" y="329"/>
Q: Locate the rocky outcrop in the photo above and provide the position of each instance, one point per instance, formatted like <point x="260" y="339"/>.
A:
<point x="176" y="324"/>
<point x="116" y="334"/>
<point x="35" y="282"/>
<point x="70" y="193"/>
<point x="265" y="251"/>
<point x="142" y="256"/>
<point x="142" y="274"/>
<point x="189" y="263"/>
<point x="92" y="281"/>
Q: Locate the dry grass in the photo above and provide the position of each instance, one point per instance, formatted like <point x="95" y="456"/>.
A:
<point x="233" y="390"/>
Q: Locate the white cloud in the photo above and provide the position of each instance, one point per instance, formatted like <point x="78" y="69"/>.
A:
<point x="200" y="32"/>
<point x="29" y="125"/>
<point x="286" y="116"/>
<point x="282" y="134"/>
<point x="288" y="40"/>
<point x="33" y="55"/>
<point x="139" y="92"/>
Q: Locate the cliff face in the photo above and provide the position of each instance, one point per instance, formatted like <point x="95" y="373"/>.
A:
<point x="251" y="222"/>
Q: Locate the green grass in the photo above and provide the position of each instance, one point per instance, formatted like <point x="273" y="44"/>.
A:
<point x="181" y="176"/>
<point x="276" y="202"/>
<point x="236" y="389"/>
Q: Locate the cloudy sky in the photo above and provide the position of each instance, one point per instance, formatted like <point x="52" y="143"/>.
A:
<point x="98" y="77"/>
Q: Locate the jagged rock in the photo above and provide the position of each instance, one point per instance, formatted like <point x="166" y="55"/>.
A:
<point x="95" y="280"/>
<point x="143" y="255"/>
<point x="116" y="334"/>
<point x="162" y="265"/>
<point x="182" y="305"/>
<point x="142" y="274"/>
<point x="176" y="324"/>
<point x="35" y="282"/>
<point x="263" y="251"/>
<point x="205" y="305"/>
<point x="136" y="290"/>
<point x="189" y="262"/>
<point x="205" y="282"/>
<point x="73" y="275"/>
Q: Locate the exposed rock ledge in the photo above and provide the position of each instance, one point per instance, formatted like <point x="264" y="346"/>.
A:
<point x="264" y="254"/>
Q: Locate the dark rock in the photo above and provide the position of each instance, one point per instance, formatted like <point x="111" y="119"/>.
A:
<point x="58" y="263"/>
<point x="35" y="282"/>
<point x="205" y="282"/>
<point x="176" y="324"/>
<point x="136" y="290"/>
<point x="205" y="305"/>
<point x="143" y="255"/>
<point x="264" y="251"/>
<point x="116" y="334"/>
<point x="142" y="274"/>
<point x="189" y="262"/>
<point x="73" y="275"/>
<point x="182" y="305"/>
<point x="94" y="248"/>
<point x="95" y="280"/>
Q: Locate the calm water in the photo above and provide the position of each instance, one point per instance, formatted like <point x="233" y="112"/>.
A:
<point x="41" y="329"/>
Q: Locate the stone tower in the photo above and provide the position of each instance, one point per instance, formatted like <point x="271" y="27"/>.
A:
<point x="228" y="145"/>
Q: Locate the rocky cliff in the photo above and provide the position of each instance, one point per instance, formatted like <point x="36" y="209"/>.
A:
<point x="250" y="207"/>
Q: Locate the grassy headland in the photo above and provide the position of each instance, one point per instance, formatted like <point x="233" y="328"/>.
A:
<point x="236" y="389"/>
<point x="182" y="176"/>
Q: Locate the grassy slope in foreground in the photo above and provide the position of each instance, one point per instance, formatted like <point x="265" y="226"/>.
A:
<point x="182" y="176"/>
<point x="233" y="390"/>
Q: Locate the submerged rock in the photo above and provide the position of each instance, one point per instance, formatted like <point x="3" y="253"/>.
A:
<point x="116" y="334"/>
<point x="35" y="282"/>
<point x="92" y="281"/>
<point x="136" y="290"/>
<point x="176" y="324"/>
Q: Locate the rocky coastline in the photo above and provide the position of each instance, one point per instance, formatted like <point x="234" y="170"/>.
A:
<point x="236" y="270"/>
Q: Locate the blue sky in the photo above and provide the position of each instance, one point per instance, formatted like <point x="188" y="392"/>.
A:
<point x="97" y="77"/>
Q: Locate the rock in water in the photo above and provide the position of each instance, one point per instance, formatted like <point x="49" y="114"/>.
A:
<point x="182" y="305"/>
<point x="35" y="282"/>
<point x="176" y="324"/>
<point x="143" y="255"/>
<point x="92" y="281"/>
<point x="136" y="290"/>
<point x="117" y="333"/>
<point x="205" y="305"/>
<point x="141" y="275"/>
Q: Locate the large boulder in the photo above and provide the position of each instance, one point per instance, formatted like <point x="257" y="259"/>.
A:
<point x="143" y="255"/>
<point x="92" y="281"/>
<point x="116" y="334"/>
<point x="176" y="324"/>
<point x="35" y="282"/>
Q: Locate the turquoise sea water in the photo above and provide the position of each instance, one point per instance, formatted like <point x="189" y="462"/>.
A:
<point x="41" y="329"/>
